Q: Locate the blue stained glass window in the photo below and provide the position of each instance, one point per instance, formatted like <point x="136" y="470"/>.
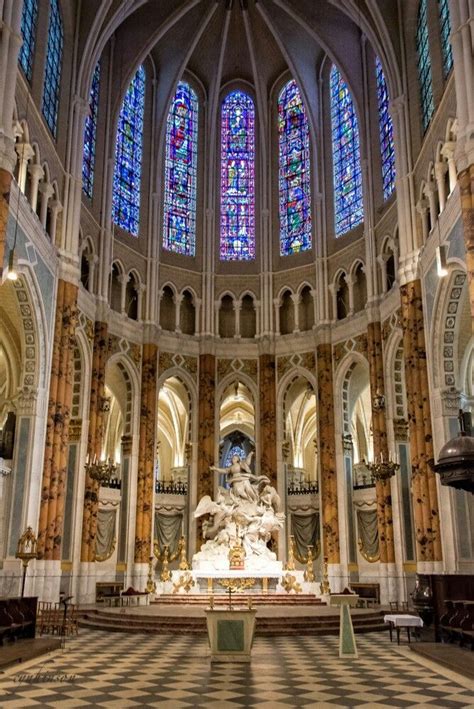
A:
<point x="179" y="226"/>
<point x="424" y="66"/>
<point x="54" y="58"/>
<point x="237" y="237"/>
<point x="90" y="134"/>
<point x="387" y="148"/>
<point x="29" y="18"/>
<point x="128" y="156"/>
<point x="234" y="450"/>
<point x="347" y="175"/>
<point x="294" y="172"/>
<point x="445" y="29"/>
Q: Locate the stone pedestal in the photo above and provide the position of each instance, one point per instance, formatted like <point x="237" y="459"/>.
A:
<point x="231" y="634"/>
<point x="347" y="642"/>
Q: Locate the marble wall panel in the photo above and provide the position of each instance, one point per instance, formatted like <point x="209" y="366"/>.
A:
<point x="206" y="430"/>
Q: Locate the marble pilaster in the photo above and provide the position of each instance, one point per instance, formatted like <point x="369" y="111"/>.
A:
<point x="206" y="433"/>
<point x="100" y="355"/>
<point x="327" y="454"/>
<point x="51" y="517"/>
<point x="379" y="431"/>
<point x="146" y="454"/>
<point x="425" y="497"/>
<point x="268" y="443"/>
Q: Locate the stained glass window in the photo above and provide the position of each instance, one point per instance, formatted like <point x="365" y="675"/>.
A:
<point x="52" y="75"/>
<point x="90" y="133"/>
<point x="387" y="148"/>
<point x="445" y="29"/>
<point x="237" y="238"/>
<point x="294" y="172"/>
<point x="347" y="175"/>
<point x="179" y="226"/>
<point x="424" y="66"/>
<point x="128" y="156"/>
<point x="234" y="450"/>
<point x="29" y="18"/>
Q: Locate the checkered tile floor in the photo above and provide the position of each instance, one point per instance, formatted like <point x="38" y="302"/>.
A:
<point x="119" y="670"/>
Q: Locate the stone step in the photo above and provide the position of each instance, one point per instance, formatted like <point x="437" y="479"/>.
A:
<point x="223" y="599"/>
<point x="302" y="625"/>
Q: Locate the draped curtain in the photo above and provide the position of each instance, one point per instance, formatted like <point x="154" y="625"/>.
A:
<point x="368" y="534"/>
<point x="305" y="530"/>
<point x="105" y="539"/>
<point x="168" y="528"/>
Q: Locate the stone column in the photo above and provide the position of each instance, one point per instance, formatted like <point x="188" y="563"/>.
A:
<point x="447" y="151"/>
<point x="327" y="454"/>
<point x="125" y="467"/>
<point x="379" y="432"/>
<point x="100" y="355"/>
<point x="146" y="454"/>
<point x="25" y="152"/>
<point x="296" y="305"/>
<point x="36" y="173"/>
<point x="425" y="497"/>
<point x="206" y="432"/>
<point x="466" y="186"/>
<point x="47" y="191"/>
<point x="51" y="517"/>
<point x="268" y="442"/>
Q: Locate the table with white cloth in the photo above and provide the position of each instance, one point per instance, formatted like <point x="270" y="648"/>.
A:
<point x="402" y="620"/>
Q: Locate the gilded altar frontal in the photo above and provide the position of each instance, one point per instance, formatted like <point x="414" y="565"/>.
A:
<point x="237" y="352"/>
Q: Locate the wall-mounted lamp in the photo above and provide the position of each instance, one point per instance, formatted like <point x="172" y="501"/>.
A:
<point x="12" y="273"/>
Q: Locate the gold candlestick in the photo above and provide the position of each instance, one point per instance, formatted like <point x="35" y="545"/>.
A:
<point x="183" y="562"/>
<point x="308" y="572"/>
<point x="150" y="584"/>
<point x="325" y="587"/>
<point x="290" y="564"/>
<point x="165" y="572"/>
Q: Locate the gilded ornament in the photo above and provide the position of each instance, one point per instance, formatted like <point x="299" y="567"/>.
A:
<point x="289" y="583"/>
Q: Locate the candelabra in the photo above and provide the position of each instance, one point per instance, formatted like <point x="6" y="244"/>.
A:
<point x="382" y="469"/>
<point x="100" y="470"/>
<point x="309" y="573"/>
<point x="290" y="564"/>
<point x="165" y="572"/>
<point x="150" y="584"/>
<point x="325" y="587"/>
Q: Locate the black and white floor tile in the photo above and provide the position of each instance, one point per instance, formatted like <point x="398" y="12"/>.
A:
<point x="120" y="670"/>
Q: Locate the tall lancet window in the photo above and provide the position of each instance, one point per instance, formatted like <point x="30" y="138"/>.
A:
<point x="347" y="175"/>
<point x="424" y="66"/>
<point x="90" y="135"/>
<point x="387" y="148"/>
<point x="128" y="156"/>
<point x="179" y="224"/>
<point x="52" y="73"/>
<point x="237" y="233"/>
<point x="445" y="29"/>
<point x="29" y="19"/>
<point x="294" y="172"/>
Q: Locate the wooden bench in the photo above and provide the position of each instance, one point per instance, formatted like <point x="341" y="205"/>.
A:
<point x="369" y="593"/>
<point x="457" y="624"/>
<point x="17" y="618"/>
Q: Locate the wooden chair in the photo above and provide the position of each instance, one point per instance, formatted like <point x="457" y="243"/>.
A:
<point x="393" y="606"/>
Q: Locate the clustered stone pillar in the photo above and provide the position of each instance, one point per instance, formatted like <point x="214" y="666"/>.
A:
<point x="206" y="433"/>
<point x="327" y="454"/>
<point x="100" y="355"/>
<point x="146" y="454"/>
<point x="466" y="185"/>
<point x="51" y="517"/>
<point x="379" y="432"/>
<point x="425" y="496"/>
<point x="268" y="450"/>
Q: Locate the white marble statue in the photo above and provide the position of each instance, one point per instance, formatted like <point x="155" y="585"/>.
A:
<point x="250" y="510"/>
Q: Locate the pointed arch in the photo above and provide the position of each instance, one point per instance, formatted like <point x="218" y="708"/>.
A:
<point x="179" y="222"/>
<point x="347" y="172"/>
<point x="128" y="156"/>
<point x="237" y="233"/>
<point x="294" y="172"/>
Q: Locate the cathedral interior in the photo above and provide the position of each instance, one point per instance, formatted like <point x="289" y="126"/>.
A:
<point x="235" y="226"/>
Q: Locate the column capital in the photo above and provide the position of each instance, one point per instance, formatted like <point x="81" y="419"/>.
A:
<point x="36" y="171"/>
<point x="25" y="151"/>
